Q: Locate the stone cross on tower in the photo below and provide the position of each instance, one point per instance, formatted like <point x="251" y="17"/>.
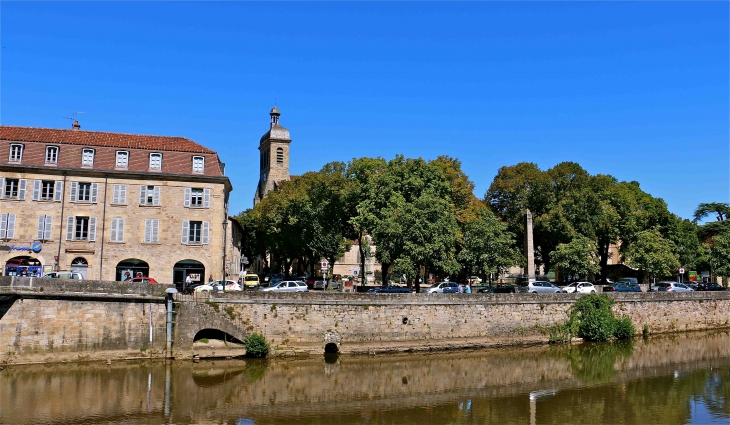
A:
<point x="529" y="247"/>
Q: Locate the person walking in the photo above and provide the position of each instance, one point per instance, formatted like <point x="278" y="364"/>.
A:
<point x="467" y="288"/>
<point x="210" y="279"/>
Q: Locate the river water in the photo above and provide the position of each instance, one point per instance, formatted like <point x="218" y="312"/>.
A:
<point x="677" y="379"/>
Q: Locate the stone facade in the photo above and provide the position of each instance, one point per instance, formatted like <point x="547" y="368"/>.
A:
<point x="273" y="157"/>
<point x="133" y="220"/>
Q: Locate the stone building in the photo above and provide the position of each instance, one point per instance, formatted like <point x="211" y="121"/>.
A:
<point x="111" y="205"/>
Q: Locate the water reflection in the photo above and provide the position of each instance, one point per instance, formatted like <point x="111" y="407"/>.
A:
<point x="679" y="379"/>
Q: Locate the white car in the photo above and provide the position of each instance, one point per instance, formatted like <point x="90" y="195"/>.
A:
<point x="443" y="287"/>
<point x="231" y="285"/>
<point x="671" y="287"/>
<point x="287" y="286"/>
<point x="580" y="288"/>
<point x="64" y="275"/>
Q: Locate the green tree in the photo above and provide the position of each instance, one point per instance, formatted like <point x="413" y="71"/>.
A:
<point x="577" y="258"/>
<point x="721" y="212"/>
<point x="488" y="247"/>
<point x="719" y="255"/>
<point x="652" y="254"/>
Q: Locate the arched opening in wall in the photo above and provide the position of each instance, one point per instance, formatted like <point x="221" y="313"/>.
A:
<point x="23" y="265"/>
<point x="279" y="156"/>
<point x="187" y="268"/>
<point x="331" y="348"/>
<point x="81" y="266"/>
<point x="131" y="268"/>
<point x="215" y="338"/>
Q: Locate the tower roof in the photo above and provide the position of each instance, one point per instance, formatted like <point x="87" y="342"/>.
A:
<point x="277" y="132"/>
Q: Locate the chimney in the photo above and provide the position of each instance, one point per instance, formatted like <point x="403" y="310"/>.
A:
<point x="76" y="126"/>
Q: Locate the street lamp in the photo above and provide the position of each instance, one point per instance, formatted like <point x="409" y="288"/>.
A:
<point x="225" y="228"/>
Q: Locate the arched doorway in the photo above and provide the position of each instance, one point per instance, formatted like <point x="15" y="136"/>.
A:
<point x="132" y="267"/>
<point x="183" y="269"/>
<point x="23" y="266"/>
<point x="80" y="266"/>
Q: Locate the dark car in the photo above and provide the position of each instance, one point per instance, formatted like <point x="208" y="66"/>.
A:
<point x="623" y="287"/>
<point x="390" y="290"/>
<point x="710" y="287"/>
<point x="504" y="288"/>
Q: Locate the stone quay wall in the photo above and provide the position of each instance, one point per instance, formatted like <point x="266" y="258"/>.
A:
<point x="375" y="322"/>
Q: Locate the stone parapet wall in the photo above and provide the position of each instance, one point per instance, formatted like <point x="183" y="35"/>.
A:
<point x="17" y="283"/>
<point x="419" y="320"/>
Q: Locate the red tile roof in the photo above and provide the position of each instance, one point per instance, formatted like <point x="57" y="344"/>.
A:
<point x="98" y="138"/>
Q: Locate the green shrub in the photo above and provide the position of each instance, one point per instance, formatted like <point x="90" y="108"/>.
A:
<point x="559" y="334"/>
<point x="256" y="345"/>
<point x="624" y="329"/>
<point x="591" y="318"/>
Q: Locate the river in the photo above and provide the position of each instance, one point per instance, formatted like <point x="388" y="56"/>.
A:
<point x="671" y="379"/>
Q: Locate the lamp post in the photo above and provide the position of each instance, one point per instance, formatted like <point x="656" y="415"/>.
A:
<point x="225" y="228"/>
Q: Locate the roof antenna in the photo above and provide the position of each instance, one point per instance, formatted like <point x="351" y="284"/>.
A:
<point x="73" y="118"/>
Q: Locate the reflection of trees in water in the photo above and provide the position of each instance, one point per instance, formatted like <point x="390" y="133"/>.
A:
<point x="595" y="363"/>
<point x="716" y="392"/>
<point x="253" y="371"/>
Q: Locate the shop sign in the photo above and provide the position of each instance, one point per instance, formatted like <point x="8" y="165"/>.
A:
<point x="34" y="247"/>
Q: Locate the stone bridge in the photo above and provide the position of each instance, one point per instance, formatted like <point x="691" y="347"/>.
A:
<point x="193" y="317"/>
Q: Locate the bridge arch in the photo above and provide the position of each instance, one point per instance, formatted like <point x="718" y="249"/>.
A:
<point x="194" y="319"/>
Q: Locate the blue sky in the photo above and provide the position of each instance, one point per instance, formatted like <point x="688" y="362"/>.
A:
<point x="636" y="90"/>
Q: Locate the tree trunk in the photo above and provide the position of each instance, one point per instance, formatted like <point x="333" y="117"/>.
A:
<point x="603" y="253"/>
<point x="418" y="279"/>
<point x="386" y="274"/>
<point x="362" y="257"/>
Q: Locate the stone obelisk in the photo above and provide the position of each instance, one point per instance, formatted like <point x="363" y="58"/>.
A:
<point x="529" y="247"/>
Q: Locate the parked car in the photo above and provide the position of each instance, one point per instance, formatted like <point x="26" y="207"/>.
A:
<point x="443" y="288"/>
<point x="390" y="290"/>
<point x="218" y="286"/>
<point x="710" y="287"/>
<point x="150" y="280"/>
<point x="672" y="287"/>
<point x="502" y="288"/>
<point x="64" y="275"/>
<point x="580" y="288"/>
<point x="287" y="286"/>
<point x="628" y="280"/>
<point x="251" y="281"/>
<point x="623" y="287"/>
<point x="540" y="287"/>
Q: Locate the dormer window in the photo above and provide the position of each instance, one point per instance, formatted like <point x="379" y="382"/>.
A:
<point x="51" y="155"/>
<point x="155" y="161"/>
<point x="122" y="159"/>
<point x="87" y="158"/>
<point x="198" y="164"/>
<point x="16" y="153"/>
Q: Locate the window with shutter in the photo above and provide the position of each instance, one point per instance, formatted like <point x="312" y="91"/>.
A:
<point x="16" y="153"/>
<point x="58" y="191"/>
<point x="21" y="189"/>
<point x="123" y="194"/>
<point x="122" y="159"/>
<point x="94" y="192"/>
<point x="51" y="155"/>
<point x="87" y="158"/>
<point x="3" y="225"/>
<point x="155" y="231"/>
<point x="206" y="198"/>
<point x="205" y="237"/>
<point x="10" y="234"/>
<point x="198" y="164"/>
<point x="74" y="191"/>
<point x="186" y="200"/>
<point x="151" y="230"/>
<point x="155" y="161"/>
<point x="70" y="225"/>
<point x="83" y="193"/>
<point x="36" y="190"/>
<point x="143" y="195"/>
<point x="117" y="230"/>
<point x="156" y="196"/>
<point x="2" y="188"/>
<point x="92" y="229"/>
<point x="47" y="228"/>
<point x="41" y="227"/>
<point x="185" y="231"/>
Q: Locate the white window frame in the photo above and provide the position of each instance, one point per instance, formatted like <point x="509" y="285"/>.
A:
<point x="7" y="226"/>
<point x="38" y="189"/>
<point x="144" y="195"/>
<point x="199" y="165"/>
<point x="187" y="228"/>
<point x="124" y="156"/>
<point x="158" y="166"/>
<point x="116" y="231"/>
<point x="87" y="157"/>
<point x="71" y="223"/>
<point x="51" y="158"/>
<point x="19" y="191"/>
<point x="205" y="199"/>
<point x="16" y="153"/>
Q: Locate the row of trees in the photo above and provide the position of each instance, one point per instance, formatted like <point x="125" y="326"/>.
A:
<point x="423" y="217"/>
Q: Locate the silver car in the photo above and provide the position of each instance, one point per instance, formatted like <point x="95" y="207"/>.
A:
<point x="671" y="287"/>
<point x="540" y="287"/>
<point x="287" y="286"/>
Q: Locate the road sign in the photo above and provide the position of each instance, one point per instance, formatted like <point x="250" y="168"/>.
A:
<point x="681" y="271"/>
<point x="324" y="264"/>
<point x="354" y="273"/>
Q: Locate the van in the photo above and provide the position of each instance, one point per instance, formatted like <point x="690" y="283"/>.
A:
<point x="251" y="281"/>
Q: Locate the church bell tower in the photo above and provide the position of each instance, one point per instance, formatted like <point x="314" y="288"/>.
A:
<point x="273" y="157"/>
